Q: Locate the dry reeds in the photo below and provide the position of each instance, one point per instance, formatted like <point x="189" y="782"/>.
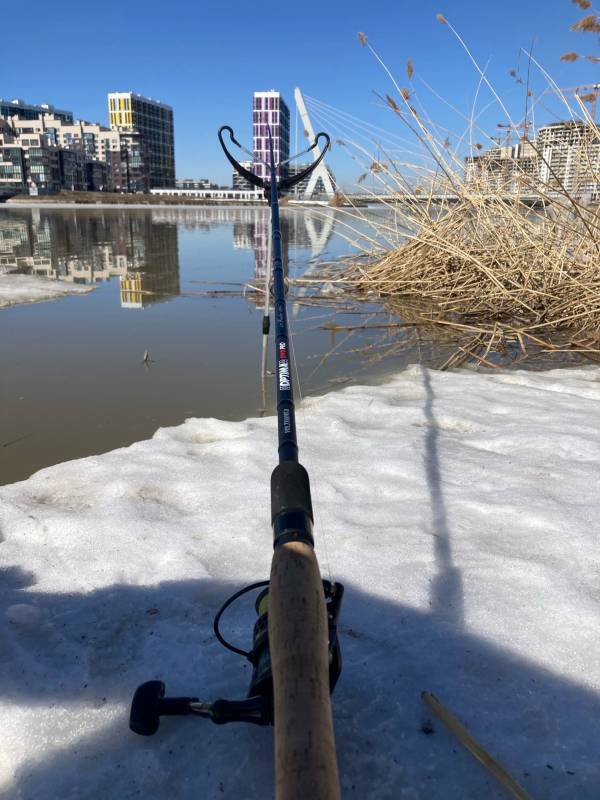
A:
<point x="499" y="247"/>
<point x="498" y="272"/>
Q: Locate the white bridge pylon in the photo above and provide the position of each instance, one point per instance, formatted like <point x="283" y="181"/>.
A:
<point x="321" y="170"/>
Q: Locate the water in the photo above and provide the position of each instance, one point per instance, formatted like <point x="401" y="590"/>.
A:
<point x="73" y="380"/>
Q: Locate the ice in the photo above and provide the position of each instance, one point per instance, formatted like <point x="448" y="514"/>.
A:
<point x="15" y="289"/>
<point x="460" y="510"/>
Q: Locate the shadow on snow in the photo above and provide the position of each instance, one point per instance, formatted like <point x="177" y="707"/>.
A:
<point x="84" y="654"/>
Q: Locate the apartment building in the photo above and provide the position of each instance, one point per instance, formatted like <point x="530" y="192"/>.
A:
<point x="135" y="154"/>
<point x="19" y="108"/>
<point x="195" y="183"/>
<point x="506" y="170"/>
<point x="28" y="164"/>
<point x="114" y="161"/>
<point x="95" y="140"/>
<point x="73" y="173"/>
<point x="128" y="165"/>
<point x="570" y="156"/>
<point x="151" y="122"/>
<point x="563" y="154"/>
<point x="237" y="182"/>
<point x="269" y="108"/>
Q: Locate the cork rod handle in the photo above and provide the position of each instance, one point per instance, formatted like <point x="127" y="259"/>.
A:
<point x="305" y="757"/>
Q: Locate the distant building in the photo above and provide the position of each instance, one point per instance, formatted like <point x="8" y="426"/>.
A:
<point x="124" y="150"/>
<point x="129" y="166"/>
<point x="95" y="144"/>
<point x="135" y="154"/>
<point x="269" y="108"/>
<point x="13" y="178"/>
<point x="221" y="194"/>
<point x="28" y="164"/>
<point x="238" y="182"/>
<point x="564" y="155"/>
<point x="93" y="139"/>
<point x="19" y="108"/>
<point x="73" y="174"/>
<point x="301" y="188"/>
<point x="195" y="183"/>
<point x="570" y="156"/>
<point x="97" y="176"/>
<point x="152" y="124"/>
<point x="503" y="169"/>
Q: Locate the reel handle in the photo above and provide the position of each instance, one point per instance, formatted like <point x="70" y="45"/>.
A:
<point x="149" y="704"/>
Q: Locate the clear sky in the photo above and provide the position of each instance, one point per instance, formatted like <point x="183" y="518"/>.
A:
<point x="206" y="58"/>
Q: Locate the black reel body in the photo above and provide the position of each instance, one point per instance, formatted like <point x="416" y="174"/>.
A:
<point x="149" y="702"/>
<point x="261" y="682"/>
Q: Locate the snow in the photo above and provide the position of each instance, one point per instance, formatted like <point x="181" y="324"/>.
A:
<point x="16" y="289"/>
<point x="461" y="512"/>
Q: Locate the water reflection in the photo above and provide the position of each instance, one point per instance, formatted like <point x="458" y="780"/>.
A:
<point x="297" y="230"/>
<point x="141" y="248"/>
<point x="94" y="247"/>
<point x="299" y="227"/>
<point x="204" y="346"/>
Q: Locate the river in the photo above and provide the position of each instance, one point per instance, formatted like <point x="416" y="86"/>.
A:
<point x="169" y="282"/>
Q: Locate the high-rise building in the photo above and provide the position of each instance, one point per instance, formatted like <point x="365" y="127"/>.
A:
<point x="152" y="122"/>
<point x="95" y="157"/>
<point x="570" y="157"/>
<point x="269" y="108"/>
<point x="19" y="108"/>
<point x="503" y="169"/>
<point x="563" y="156"/>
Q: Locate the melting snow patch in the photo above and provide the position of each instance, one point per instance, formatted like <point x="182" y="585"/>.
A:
<point x="460" y="510"/>
<point x="15" y="289"/>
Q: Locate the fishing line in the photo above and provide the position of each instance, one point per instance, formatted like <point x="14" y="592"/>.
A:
<point x="347" y="118"/>
<point x="396" y="182"/>
<point x="265" y="328"/>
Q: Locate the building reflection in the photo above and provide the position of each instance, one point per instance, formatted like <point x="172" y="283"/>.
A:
<point x="94" y="246"/>
<point x="301" y="228"/>
<point x="141" y="248"/>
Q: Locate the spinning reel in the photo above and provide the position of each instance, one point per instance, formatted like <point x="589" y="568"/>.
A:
<point x="150" y="704"/>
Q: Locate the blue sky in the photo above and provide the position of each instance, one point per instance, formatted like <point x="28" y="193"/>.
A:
<point x="206" y="58"/>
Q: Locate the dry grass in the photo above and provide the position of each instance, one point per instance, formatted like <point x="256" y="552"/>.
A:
<point x="497" y="273"/>
<point x="500" y="272"/>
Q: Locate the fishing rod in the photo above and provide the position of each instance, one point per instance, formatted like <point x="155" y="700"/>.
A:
<point x="295" y="654"/>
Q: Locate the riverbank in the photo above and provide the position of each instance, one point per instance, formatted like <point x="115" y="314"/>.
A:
<point x="102" y="199"/>
<point x="459" y="509"/>
<point x="113" y="198"/>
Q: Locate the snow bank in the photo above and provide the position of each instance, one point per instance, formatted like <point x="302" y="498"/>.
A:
<point x="460" y="510"/>
<point x="16" y="289"/>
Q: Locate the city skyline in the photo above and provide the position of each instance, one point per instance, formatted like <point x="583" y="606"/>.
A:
<point x="209" y="80"/>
